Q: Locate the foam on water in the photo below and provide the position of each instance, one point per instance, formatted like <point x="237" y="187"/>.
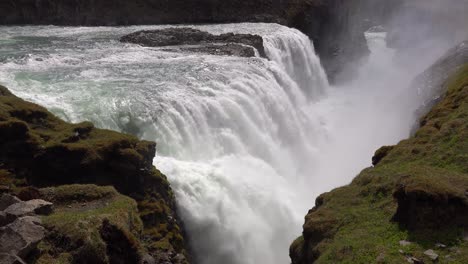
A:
<point x="247" y="143"/>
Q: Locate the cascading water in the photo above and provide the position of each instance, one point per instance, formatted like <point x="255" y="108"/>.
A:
<point x="245" y="142"/>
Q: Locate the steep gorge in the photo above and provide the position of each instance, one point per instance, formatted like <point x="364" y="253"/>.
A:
<point x="247" y="142"/>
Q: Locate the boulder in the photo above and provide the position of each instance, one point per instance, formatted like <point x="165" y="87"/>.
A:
<point x="4" y="220"/>
<point x="21" y="236"/>
<point x="205" y="40"/>
<point x="431" y="254"/>
<point x="7" y="200"/>
<point x="6" y="258"/>
<point x="29" y="208"/>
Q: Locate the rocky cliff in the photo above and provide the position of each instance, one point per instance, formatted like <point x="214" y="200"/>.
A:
<point x="412" y="206"/>
<point x="122" y="211"/>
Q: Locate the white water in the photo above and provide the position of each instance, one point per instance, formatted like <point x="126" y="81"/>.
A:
<point x="247" y="143"/>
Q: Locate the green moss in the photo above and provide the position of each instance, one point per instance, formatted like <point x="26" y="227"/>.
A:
<point x="360" y="219"/>
<point x="45" y="151"/>
<point x="78" y="220"/>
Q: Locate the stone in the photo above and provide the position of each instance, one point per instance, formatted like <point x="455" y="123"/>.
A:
<point x="380" y="258"/>
<point x="404" y="243"/>
<point x="21" y="236"/>
<point x="28" y="208"/>
<point x="431" y="254"/>
<point x="147" y="259"/>
<point x="440" y="245"/>
<point x="414" y="260"/>
<point x="6" y="200"/>
<point x="225" y="44"/>
<point x="6" y="258"/>
<point x="4" y="219"/>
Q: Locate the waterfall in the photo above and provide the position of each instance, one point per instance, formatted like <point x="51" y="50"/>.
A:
<point x="235" y="135"/>
<point x="247" y="143"/>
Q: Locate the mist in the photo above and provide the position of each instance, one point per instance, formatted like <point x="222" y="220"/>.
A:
<point x="247" y="143"/>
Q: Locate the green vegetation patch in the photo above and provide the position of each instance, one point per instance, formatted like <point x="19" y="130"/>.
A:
<point x="76" y="225"/>
<point x="417" y="193"/>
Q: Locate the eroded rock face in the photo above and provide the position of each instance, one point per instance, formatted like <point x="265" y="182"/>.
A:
<point x="423" y="209"/>
<point x="231" y="44"/>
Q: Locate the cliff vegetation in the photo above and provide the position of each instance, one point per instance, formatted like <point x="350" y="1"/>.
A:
<point x="111" y="204"/>
<point x="412" y="206"/>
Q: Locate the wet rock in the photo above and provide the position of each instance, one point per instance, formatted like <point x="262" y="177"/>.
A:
<point x="28" y="208"/>
<point x="223" y="50"/>
<point x="21" y="236"/>
<point x="6" y="200"/>
<point x="207" y="41"/>
<point x="431" y="254"/>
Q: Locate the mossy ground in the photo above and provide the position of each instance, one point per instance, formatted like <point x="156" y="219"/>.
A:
<point x="357" y="221"/>
<point x="39" y="150"/>
<point x="80" y="211"/>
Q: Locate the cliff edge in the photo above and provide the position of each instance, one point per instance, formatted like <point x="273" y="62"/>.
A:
<point x="412" y="206"/>
<point x="111" y="204"/>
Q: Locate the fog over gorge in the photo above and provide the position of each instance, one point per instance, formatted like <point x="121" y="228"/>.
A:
<point x="247" y="143"/>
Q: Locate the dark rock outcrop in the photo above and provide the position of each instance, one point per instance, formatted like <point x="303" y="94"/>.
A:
<point x="205" y="40"/>
<point x="39" y="150"/>
<point x="420" y="209"/>
<point x="21" y="229"/>
<point x="6" y="200"/>
<point x="22" y="236"/>
<point x="417" y="191"/>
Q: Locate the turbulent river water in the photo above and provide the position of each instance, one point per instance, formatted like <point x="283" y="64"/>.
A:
<point x="247" y="143"/>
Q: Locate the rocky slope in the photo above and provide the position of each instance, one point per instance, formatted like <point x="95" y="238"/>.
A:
<point x="412" y="206"/>
<point x="133" y="221"/>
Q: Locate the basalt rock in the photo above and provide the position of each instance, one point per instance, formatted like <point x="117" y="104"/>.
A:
<point x="231" y="44"/>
